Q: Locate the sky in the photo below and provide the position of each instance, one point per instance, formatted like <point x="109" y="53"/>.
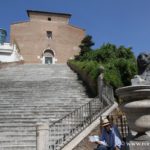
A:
<point x="120" y="22"/>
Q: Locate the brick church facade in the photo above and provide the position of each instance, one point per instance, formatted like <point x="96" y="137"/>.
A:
<point x="46" y="38"/>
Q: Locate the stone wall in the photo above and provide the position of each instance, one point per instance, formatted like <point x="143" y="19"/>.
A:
<point x="10" y="64"/>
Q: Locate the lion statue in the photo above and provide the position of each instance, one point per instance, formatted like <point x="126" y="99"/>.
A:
<point x="143" y="61"/>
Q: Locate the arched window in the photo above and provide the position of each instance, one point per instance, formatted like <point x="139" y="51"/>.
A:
<point x="49" y="19"/>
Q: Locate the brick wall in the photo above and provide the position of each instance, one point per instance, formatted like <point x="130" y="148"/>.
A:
<point x="32" y="38"/>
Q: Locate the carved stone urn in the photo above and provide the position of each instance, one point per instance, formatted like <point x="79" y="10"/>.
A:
<point x="136" y="98"/>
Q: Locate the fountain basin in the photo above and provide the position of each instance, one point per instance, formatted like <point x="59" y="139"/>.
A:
<point x="136" y="105"/>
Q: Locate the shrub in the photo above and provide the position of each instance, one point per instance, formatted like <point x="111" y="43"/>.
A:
<point x="119" y="63"/>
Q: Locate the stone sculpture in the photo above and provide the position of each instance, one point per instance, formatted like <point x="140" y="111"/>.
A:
<point x="143" y="61"/>
<point x="136" y="98"/>
<point x="137" y="103"/>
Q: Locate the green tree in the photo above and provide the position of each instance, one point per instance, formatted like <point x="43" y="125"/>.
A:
<point x="119" y="62"/>
<point x="86" y="45"/>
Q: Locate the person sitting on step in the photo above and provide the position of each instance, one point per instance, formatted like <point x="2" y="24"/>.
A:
<point x="108" y="139"/>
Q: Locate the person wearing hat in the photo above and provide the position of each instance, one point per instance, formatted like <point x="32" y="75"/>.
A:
<point x="114" y="127"/>
<point x="108" y="140"/>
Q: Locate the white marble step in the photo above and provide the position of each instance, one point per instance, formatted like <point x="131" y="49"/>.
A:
<point x="32" y="94"/>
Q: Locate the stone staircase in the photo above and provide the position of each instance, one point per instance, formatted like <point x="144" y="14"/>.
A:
<point x="32" y="94"/>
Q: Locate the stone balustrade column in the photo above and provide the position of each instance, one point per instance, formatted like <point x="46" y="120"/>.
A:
<point x="100" y="83"/>
<point x="42" y="137"/>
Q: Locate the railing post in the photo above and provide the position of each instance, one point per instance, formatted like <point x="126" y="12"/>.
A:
<point x="90" y="112"/>
<point x="100" y="84"/>
<point x="42" y="137"/>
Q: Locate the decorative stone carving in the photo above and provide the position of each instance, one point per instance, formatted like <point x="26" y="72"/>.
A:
<point x="143" y="61"/>
<point x="137" y="80"/>
<point x="143" y="78"/>
<point x="136" y="98"/>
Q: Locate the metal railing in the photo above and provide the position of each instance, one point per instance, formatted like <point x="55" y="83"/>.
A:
<point x="107" y="94"/>
<point x="64" y="130"/>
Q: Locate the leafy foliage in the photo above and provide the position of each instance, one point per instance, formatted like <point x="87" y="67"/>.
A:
<point x="119" y="62"/>
<point x="90" y="67"/>
<point x="85" y="46"/>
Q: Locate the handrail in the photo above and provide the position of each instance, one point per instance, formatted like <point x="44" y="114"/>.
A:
<point x="65" y="129"/>
<point x="107" y="94"/>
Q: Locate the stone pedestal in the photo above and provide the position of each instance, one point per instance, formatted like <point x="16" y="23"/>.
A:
<point x="42" y="131"/>
<point x="136" y="106"/>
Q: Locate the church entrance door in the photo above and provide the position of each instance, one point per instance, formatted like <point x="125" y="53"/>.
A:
<point x="48" y="57"/>
<point x="48" y="60"/>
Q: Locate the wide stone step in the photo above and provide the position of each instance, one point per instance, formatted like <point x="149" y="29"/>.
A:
<point x="17" y="140"/>
<point x="18" y="147"/>
<point x="49" y="100"/>
<point x="33" y="94"/>
<point x="17" y="129"/>
<point x="18" y="134"/>
<point x="38" y="111"/>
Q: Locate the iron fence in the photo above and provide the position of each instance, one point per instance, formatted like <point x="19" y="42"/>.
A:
<point x="107" y="95"/>
<point x="65" y="129"/>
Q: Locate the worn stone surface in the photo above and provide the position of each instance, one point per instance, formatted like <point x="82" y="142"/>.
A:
<point x="31" y="94"/>
<point x="85" y="144"/>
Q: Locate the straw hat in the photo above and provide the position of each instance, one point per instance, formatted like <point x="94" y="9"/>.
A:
<point x="105" y="122"/>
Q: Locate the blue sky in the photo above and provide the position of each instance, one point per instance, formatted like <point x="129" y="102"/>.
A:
<point x="121" y="22"/>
